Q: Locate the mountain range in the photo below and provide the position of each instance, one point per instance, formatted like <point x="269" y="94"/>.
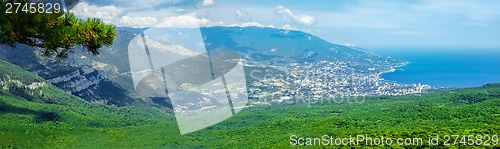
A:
<point x="89" y="101"/>
<point x="106" y="78"/>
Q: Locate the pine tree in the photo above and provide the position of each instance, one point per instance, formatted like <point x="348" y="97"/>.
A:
<point x="55" y="33"/>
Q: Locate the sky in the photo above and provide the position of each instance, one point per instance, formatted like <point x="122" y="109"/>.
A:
<point x="371" y="24"/>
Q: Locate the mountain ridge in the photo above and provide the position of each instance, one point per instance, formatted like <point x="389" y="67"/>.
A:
<point x="273" y="42"/>
<point x="61" y="120"/>
<point x="261" y="48"/>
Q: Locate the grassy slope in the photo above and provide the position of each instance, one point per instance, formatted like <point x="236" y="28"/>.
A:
<point x="54" y="119"/>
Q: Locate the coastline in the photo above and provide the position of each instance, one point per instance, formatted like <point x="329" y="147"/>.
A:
<point x="394" y="69"/>
<point x="391" y="70"/>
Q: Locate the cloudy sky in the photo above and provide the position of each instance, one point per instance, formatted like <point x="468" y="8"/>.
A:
<point x="446" y="24"/>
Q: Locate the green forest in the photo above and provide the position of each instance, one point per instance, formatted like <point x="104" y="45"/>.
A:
<point x="34" y="116"/>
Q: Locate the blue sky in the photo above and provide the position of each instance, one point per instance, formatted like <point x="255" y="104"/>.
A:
<point x="373" y="24"/>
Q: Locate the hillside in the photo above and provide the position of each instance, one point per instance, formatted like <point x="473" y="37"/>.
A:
<point x="282" y="54"/>
<point x="31" y="108"/>
<point x="281" y="47"/>
<point x="106" y="78"/>
<point x="35" y="114"/>
<point x="81" y="80"/>
<point x="271" y="46"/>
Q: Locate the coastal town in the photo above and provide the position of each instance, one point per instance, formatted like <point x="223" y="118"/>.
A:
<point x="327" y="80"/>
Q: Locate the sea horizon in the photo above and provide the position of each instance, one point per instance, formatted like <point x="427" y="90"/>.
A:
<point x="440" y="68"/>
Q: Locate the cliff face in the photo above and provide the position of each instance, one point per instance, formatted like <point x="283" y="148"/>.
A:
<point x="78" y="79"/>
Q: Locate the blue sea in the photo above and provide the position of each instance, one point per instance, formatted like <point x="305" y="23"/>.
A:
<point x="445" y="68"/>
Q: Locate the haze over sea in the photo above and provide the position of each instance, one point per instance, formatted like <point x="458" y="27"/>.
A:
<point x="455" y="68"/>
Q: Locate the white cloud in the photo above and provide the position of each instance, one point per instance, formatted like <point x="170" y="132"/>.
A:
<point x="137" y="21"/>
<point x="252" y="24"/>
<point x="187" y="21"/>
<point x="207" y="2"/>
<point x="166" y="17"/>
<point x="107" y="14"/>
<point x="243" y="15"/>
<point x="302" y="19"/>
<point x="288" y="27"/>
<point x="121" y="17"/>
<point x="247" y="24"/>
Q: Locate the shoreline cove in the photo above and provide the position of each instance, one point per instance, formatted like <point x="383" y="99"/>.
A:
<point x="445" y="69"/>
<point x="391" y="70"/>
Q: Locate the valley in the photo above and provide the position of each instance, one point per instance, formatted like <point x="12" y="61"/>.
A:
<point x="45" y="116"/>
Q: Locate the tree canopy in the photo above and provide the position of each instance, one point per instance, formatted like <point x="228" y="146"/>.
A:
<point x="55" y="33"/>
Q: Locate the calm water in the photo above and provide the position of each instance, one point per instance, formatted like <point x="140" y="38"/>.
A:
<point x="446" y="68"/>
